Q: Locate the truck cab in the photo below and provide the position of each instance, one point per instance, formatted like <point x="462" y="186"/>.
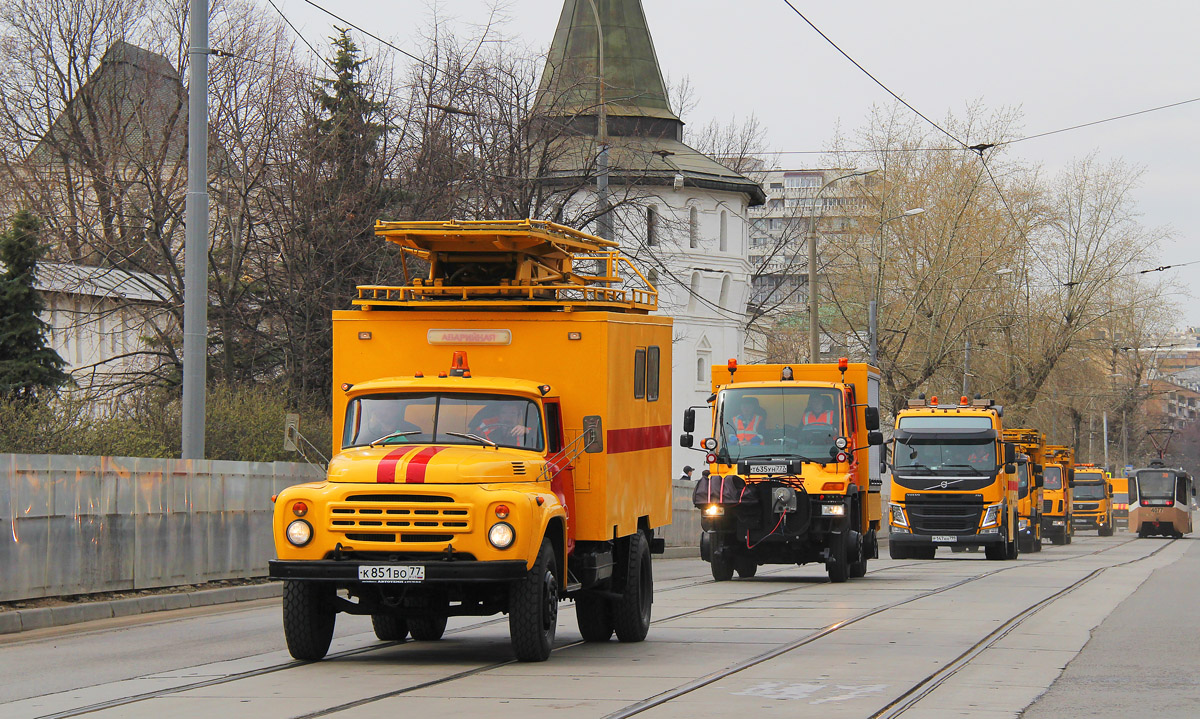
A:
<point x="1091" y="502"/>
<point x="792" y="477"/>
<point x="954" y="481"/>
<point x="1057" y="497"/>
<point x="501" y="442"/>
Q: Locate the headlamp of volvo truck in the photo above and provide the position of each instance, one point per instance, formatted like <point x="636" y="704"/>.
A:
<point x="898" y="517"/>
<point x="991" y="516"/>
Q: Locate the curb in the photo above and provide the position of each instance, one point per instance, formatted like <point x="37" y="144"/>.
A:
<point x="24" y="620"/>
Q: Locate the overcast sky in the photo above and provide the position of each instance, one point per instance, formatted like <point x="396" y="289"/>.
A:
<point x="1062" y="63"/>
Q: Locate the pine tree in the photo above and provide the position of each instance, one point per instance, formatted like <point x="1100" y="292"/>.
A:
<point x="28" y="366"/>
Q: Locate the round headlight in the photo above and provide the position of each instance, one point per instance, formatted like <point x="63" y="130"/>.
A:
<point x="840" y="442"/>
<point x="299" y="532"/>
<point x="501" y="535"/>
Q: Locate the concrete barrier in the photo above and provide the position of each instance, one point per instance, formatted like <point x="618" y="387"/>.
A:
<point x="77" y="525"/>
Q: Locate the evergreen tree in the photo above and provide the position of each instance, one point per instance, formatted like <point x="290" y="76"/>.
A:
<point x="27" y="365"/>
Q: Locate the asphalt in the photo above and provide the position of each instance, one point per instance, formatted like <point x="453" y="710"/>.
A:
<point x="1142" y="660"/>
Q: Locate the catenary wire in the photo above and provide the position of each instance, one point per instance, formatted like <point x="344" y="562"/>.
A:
<point x="300" y="35"/>
<point x="372" y="35"/>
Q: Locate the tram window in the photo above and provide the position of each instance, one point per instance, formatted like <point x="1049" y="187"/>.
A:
<point x="1133" y="491"/>
<point x="1181" y="493"/>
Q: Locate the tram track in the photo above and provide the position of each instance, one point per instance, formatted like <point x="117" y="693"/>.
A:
<point x="628" y="711"/>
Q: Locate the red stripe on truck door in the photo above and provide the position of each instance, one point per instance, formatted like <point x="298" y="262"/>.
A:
<point x="638" y="438"/>
<point x="414" y="471"/>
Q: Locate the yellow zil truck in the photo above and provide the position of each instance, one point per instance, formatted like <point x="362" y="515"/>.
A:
<point x="954" y="480"/>
<point x="1058" y="479"/>
<point x="1091" y="503"/>
<point x="792" y="477"/>
<point x="502" y="435"/>
<point x="1032" y="444"/>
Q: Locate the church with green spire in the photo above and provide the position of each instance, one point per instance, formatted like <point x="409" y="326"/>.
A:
<point x="680" y="215"/>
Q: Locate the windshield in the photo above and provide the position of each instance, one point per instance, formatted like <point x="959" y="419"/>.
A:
<point x="436" y="418"/>
<point x="777" y="421"/>
<point x="1088" y="491"/>
<point x="938" y="453"/>
<point x="1052" y="477"/>
<point x="1022" y="479"/>
<point x="1156" y="484"/>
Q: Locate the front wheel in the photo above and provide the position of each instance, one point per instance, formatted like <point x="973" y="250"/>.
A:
<point x="631" y="612"/>
<point x="838" y="566"/>
<point x="308" y="618"/>
<point x="533" y="608"/>
<point x="721" y="566"/>
<point x="897" y="552"/>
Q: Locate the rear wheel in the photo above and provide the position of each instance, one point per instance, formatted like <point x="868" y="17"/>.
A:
<point x="746" y="567"/>
<point x="308" y="618"/>
<point x="427" y="629"/>
<point x="1012" y="549"/>
<point x="858" y="566"/>
<point x="389" y="627"/>
<point x="533" y="608"/>
<point x="631" y="612"/>
<point x="595" y="618"/>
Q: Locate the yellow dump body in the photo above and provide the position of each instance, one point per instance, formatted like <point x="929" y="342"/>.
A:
<point x="950" y="483"/>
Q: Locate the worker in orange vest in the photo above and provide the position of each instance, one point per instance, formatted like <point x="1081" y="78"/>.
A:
<point x="749" y="421"/>
<point x="820" y="412"/>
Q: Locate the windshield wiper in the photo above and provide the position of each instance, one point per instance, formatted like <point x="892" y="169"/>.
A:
<point x="914" y="465"/>
<point x="386" y="437"/>
<point x="477" y="438"/>
<point x="967" y="466"/>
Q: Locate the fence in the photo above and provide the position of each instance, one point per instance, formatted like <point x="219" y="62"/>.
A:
<point x="74" y="524"/>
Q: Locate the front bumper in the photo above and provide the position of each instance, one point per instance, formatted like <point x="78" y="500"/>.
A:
<point x="345" y="572"/>
<point x="1093" y="521"/>
<point x="905" y="539"/>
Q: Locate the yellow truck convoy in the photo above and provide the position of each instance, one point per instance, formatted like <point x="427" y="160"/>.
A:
<point x="792" y="477"/>
<point x="1091" y="503"/>
<point x="1032" y="444"/>
<point x="1058" y="478"/>
<point x="954" y="480"/>
<point x="502" y="438"/>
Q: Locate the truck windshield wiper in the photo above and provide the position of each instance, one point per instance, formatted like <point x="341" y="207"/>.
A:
<point x="386" y="437"/>
<point x="477" y="438"/>
<point x="914" y="465"/>
<point x="966" y="466"/>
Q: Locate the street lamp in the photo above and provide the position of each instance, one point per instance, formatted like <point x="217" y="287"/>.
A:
<point x="873" y="311"/>
<point x="814" y="330"/>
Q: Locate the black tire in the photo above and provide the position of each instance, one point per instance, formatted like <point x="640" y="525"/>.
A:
<point x="594" y="615"/>
<point x="1025" y="544"/>
<point x="1106" y="530"/>
<point x="533" y="608"/>
<point x="1068" y="536"/>
<point x="308" y="618"/>
<point x="721" y="566"/>
<point x="389" y="627"/>
<point x="924" y="552"/>
<point x="1012" y="549"/>
<point x="858" y="566"/>
<point x="1058" y="538"/>
<point x="631" y="612"/>
<point x="746" y="567"/>
<point x="838" y="566"/>
<point x="898" y="552"/>
<point x="996" y="552"/>
<point x="427" y="629"/>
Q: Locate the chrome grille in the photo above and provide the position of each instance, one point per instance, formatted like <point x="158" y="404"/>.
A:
<point x="944" y="513"/>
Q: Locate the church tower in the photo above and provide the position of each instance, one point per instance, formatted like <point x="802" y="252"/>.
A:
<point x="680" y="215"/>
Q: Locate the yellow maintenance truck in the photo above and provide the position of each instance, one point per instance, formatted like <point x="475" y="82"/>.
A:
<point x="1120" y="500"/>
<point x="502" y="435"/>
<point x="792" y="476"/>
<point x="1091" y="503"/>
<point x="954" y="480"/>
<point x="1032" y="444"/>
<point x="1058" y="477"/>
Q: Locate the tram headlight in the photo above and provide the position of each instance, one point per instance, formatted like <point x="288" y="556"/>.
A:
<point x="898" y="517"/>
<point x="299" y="532"/>
<point x="501" y="535"/>
<point x="991" y="516"/>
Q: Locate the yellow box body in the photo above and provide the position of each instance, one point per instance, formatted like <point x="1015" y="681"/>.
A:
<point x="586" y="357"/>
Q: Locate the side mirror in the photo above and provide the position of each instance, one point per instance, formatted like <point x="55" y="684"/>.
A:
<point x="593" y="428"/>
<point x="1038" y="481"/>
<point x="1010" y="454"/>
<point x="1010" y="468"/>
<point x="685" y="440"/>
<point x="689" y="420"/>
<point x="883" y="458"/>
<point x="871" y="418"/>
<point x="1071" y="482"/>
<point x="874" y="438"/>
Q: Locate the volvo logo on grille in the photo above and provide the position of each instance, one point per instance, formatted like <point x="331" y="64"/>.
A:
<point x="944" y="484"/>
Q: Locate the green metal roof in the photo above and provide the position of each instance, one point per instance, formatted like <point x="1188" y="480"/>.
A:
<point x="633" y="83"/>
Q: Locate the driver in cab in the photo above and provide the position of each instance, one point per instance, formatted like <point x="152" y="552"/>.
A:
<point x="749" y="421"/>
<point x="819" y="414"/>
<point x="505" y="425"/>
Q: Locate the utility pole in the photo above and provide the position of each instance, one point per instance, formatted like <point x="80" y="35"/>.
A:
<point x="1124" y="441"/>
<point x="872" y="330"/>
<point x="1091" y="434"/>
<point x="1106" y="439"/>
<point x="195" y="270"/>
<point x="966" y="368"/>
